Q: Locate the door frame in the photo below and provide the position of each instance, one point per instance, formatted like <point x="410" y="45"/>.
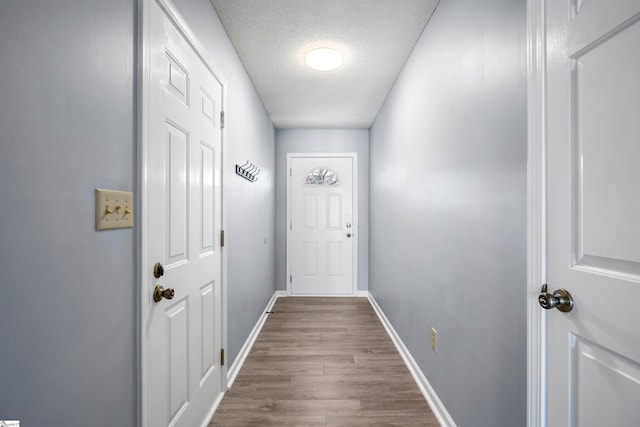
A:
<point x="536" y="213"/>
<point x="142" y="102"/>
<point x="354" y="172"/>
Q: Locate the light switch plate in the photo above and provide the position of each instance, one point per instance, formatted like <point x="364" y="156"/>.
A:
<point x="114" y="209"/>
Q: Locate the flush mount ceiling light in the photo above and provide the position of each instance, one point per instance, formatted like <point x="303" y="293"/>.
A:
<point x="323" y="59"/>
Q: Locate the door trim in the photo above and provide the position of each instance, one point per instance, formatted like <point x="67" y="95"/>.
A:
<point x="536" y="216"/>
<point x="354" y="172"/>
<point x="142" y="101"/>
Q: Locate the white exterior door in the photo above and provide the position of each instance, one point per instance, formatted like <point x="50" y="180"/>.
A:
<point x="181" y="336"/>
<point x="322" y="229"/>
<point x="593" y="211"/>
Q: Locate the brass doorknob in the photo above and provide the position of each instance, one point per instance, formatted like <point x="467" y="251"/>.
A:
<point x="159" y="292"/>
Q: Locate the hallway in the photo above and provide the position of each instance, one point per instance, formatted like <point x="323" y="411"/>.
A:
<point x="442" y="219"/>
<point x="323" y="362"/>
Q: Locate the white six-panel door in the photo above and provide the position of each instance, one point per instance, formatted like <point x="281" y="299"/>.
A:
<point x="593" y="211"/>
<point x="182" y="374"/>
<point x="322" y="229"/>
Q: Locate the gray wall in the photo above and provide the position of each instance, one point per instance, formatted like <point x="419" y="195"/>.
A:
<point x="448" y="208"/>
<point x="322" y="141"/>
<point x="68" y="293"/>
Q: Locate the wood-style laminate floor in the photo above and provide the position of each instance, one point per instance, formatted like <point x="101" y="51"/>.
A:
<point x="323" y="362"/>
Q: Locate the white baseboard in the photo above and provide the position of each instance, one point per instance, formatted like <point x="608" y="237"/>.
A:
<point x="232" y="373"/>
<point x="429" y="394"/>
<point x="233" y="370"/>
<point x="359" y="294"/>
<point x="216" y="403"/>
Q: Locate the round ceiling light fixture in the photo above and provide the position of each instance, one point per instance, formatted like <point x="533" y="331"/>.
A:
<point x="323" y="59"/>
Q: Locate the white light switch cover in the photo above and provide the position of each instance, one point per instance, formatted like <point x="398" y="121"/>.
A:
<point x="114" y="209"/>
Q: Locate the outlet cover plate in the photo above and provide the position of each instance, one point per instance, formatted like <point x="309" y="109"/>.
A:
<point x="114" y="209"/>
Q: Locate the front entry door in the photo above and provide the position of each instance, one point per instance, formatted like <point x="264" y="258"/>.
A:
<point x="322" y="228"/>
<point x="182" y="327"/>
<point x="593" y="211"/>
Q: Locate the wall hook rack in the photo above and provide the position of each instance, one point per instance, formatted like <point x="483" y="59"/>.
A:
<point x="248" y="171"/>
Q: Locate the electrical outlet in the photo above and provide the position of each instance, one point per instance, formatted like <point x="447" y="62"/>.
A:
<point x="434" y="340"/>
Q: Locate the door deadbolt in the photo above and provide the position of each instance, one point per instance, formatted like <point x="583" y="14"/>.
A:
<point x="159" y="292"/>
<point x="560" y="299"/>
<point x="158" y="270"/>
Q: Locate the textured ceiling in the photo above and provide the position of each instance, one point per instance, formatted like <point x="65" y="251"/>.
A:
<point x="273" y="36"/>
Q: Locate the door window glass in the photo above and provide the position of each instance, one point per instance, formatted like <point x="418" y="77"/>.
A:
<point x="321" y="176"/>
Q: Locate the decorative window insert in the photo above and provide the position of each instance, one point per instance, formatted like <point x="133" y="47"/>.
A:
<point x="322" y="176"/>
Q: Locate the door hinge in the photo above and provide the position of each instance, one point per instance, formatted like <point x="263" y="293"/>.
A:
<point x="222" y="238"/>
<point x="291" y="278"/>
<point x="290" y="173"/>
<point x="290" y="225"/>
<point x="222" y="119"/>
<point x="222" y="357"/>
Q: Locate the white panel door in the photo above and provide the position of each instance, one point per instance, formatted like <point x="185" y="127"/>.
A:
<point x="322" y="226"/>
<point x="181" y="365"/>
<point x="593" y="211"/>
